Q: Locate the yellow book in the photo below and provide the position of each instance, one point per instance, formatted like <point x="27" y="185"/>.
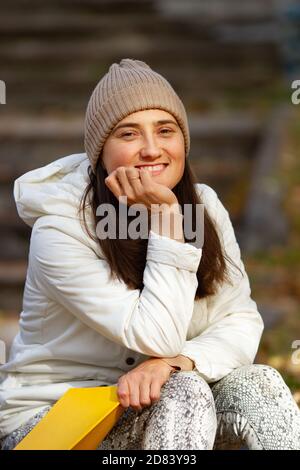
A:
<point x="79" y="420"/>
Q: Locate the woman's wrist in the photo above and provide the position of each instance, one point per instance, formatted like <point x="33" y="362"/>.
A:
<point x="168" y="223"/>
<point x="180" y="362"/>
<point x="173" y="368"/>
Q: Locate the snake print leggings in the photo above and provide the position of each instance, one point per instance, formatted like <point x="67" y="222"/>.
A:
<point x="251" y="407"/>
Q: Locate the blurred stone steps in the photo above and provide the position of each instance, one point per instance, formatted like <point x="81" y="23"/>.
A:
<point x="29" y="142"/>
<point x="13" y="273"/>
<point x="9" y="327"/>
<point x="55" y="52"/>
<point x="73" y="96"/>
<point x="65" y="49"/>
<point x="221" y="10"/>
<point x="43" y="74"/>
<point x="83" y="5"/>
<point x="12" y="281"/>
<point x="52" y="54"/>
<point x="49" y="23"/>
<point x="193" y="10"/>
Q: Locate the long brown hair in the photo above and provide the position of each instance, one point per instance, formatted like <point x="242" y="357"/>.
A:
<point x="127" y="257"/>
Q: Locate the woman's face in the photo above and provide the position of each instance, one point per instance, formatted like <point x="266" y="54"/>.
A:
<point x="147" y="138"/>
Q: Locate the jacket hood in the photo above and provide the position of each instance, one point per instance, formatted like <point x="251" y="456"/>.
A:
<point x="54" y="189"/>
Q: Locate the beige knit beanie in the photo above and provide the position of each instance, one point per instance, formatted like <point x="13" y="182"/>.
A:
<point x="128" y="87"/>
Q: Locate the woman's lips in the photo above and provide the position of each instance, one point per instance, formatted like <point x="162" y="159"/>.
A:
<point x="155" y="169"/>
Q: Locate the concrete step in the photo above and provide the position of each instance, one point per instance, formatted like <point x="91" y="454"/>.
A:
<point x="206" y="86"/>
<point x="28" y="142"/>
<point x="84" y="50"/>
<point x="66" y="22"/>
<point x="18" y="126"/>
<point x="12" y="281"/>
<point x="9" y="327"/>
<point x="80" y="76"/>
<point x="13" y="273"/>
<point x="40" y="127"/>
<point x="14" y="242"/>
<point x="221" y="10"/>
<point x="83" y="5"/>
<point x="190" y="10"/>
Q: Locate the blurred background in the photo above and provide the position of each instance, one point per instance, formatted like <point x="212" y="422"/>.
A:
<point x="231" y="62"/>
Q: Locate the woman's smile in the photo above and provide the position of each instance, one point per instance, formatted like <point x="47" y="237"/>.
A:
<point x="154" y="169"/>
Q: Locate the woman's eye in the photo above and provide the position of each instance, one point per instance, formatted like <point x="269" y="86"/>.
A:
<point x="164" y="131"/>
<point x="126" y="134"/>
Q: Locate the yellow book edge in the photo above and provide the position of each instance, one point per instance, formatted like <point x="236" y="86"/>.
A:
<point x="79" y="420"/>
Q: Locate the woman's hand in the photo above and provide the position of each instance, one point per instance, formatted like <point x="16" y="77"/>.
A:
<point x="139" y="187"/>
<point x="141" y="386"/>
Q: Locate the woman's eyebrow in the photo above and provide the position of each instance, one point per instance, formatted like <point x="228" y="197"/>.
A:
<point x="135" y="124"/>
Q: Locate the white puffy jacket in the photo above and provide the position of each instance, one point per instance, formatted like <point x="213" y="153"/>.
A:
<point x="78" y="328"/>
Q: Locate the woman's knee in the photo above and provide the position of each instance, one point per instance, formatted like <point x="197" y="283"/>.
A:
<point x="249" y="384"/>
<point x="264" y="375"/>
<point x="259" y="376"/>
<point x="190" y="384"/>
<point x="258" y="394"/>
<point x="185" y="415"/>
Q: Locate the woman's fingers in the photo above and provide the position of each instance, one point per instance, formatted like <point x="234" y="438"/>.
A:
<point x="134" y="178"/>
<point x="154" y="392"/>
<point x="123" y="392"/>
<point x="139" y="187"/>
<point x="134" y="395"/>
<point x="123" y="175"/>
<point x="113" y="184"/>
<point x="128" y="393"/>
<point x="126" y="181"/>
<point x="139" y="394"/>
<point x="141" y="387"/>
<point x="145" y="386"/>
<point x="154" y="190"/>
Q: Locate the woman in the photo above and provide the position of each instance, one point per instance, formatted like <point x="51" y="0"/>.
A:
<point x="132" y="311"/>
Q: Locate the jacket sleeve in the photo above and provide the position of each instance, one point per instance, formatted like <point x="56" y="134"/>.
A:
<point x="235" y="326"/>
<point x="151" y="321"/>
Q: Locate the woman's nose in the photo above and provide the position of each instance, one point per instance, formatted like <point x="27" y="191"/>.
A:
<point x="150" y="148"/>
